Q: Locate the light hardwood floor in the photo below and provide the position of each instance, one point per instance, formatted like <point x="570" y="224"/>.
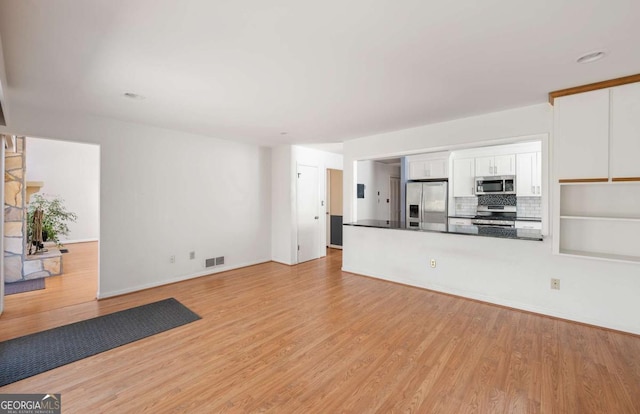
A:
<point x="312" y="339"/>
<point x="78" y="284"/>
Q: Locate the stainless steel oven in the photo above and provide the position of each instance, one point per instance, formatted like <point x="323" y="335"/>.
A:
<point x="495" y="216"/>
<point x="509" y="224"/>
<point x="505" y="184"/>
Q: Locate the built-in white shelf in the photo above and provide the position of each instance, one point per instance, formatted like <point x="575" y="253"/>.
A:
<point x="601" y="256"/>
<point x="609" y="182"/>
<point x="600" y="221"/>
<point x="600" y="200"/>
<point x="601" y="218"/>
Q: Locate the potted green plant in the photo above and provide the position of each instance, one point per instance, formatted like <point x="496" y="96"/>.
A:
<point x="55" y="217"/>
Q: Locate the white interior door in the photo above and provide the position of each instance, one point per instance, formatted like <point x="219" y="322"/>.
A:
<point x="308" y="214"/>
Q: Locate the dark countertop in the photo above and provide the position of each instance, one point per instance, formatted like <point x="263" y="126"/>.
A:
<point x="483" y="231"/>
<point x="516" y="218"/>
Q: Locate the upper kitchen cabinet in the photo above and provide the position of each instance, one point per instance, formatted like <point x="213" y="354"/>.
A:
<point x="597" y="135"/>
<point x="463" y="177"/>
<point x="529" y="174"/>
<point x="625" y="132"/>
<point x="496" y="165"/>
<point x="484" y="166"/>
<point x="581" y="136"/>
<point x="505" y="164"/>
<point x="428" y="166"/>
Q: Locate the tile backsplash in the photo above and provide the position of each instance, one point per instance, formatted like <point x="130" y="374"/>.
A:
<point x="525" y="206"/>
<point x="497" y="200"/>
<point x="466" y="206"/>
<point x="529" y="207"/>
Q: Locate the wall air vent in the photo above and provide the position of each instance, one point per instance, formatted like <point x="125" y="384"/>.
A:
<point x="219" y="260"/>
<point x="210" y="262"/>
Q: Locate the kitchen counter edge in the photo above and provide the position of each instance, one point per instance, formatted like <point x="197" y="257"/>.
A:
<point x="520" y="234"/>
<point x="537" y="219"/>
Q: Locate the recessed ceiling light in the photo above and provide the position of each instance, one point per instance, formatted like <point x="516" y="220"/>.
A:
<point x="132" y="95"/>
<point x="284" y="133"/>
<point x="591" y="56"/>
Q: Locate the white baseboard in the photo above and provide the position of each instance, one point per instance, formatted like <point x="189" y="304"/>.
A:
<point x="282" y="262"/>
<point x="206" y="272"/>
<point x="78" y="241"/>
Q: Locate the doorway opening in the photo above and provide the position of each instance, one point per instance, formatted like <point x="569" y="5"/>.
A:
<point x="334" y="208"/>
<point x="379" y="189"/>
<point x="59" y="177"/>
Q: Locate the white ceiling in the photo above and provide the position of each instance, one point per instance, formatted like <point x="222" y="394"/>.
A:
<point x="334" y="147"/>
<point x="322" y="71"/>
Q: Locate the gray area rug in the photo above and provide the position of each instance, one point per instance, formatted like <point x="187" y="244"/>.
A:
<point x="23" y="286"/>
<point x="36" y="353"/>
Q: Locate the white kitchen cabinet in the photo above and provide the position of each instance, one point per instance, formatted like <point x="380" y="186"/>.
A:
<point x="581" y="132"/>
<point x="529" y="174"/>
<point x="625" y="131"/>
<point x="505" y="164"/>
<point x="484" y="166"/>
<point x="534" y="225"/>
<point x="496" y="165"/>
<point x="463" y="177"/>
<point x="428" y="166"/>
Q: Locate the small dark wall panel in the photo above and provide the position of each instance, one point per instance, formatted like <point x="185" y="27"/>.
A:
<point x="336" y="230"/>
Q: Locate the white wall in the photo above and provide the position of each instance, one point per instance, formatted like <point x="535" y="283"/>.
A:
<point x="71" y="171"/>
<point x="384" y="172"/>
<point x="167" y="193"/>
<point x="365" y="174"/>
<point x="282" y="219"/>
<point x="513" y="273"/>
<point x="285" y="232"/>
<point x="376" y="178"/>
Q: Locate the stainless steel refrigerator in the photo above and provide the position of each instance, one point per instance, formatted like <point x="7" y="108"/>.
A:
<point x="427" y="204"/>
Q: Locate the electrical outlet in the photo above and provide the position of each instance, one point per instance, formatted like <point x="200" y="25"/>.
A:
<point x="192" y="255"/>
<point x="433" y="262"/>
<point x="555" y="284"/>
<point x="172" y="259"/>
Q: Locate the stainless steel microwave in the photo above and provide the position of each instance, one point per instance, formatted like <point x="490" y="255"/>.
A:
<point x="505" y="184"/>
